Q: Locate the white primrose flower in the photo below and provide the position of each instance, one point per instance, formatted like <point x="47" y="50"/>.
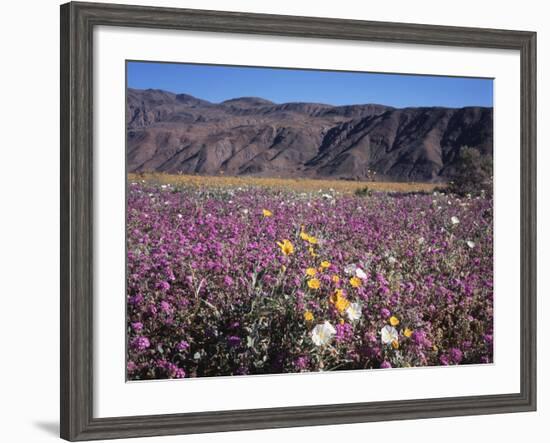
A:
<point x="350" y="269"/>
<point x="250" y="341"/>
<point x="455" y="220"/>
<point x="388" y="334"/>
<point x="470" y="244"/>
<point x="322" y="334"/>
<point x="359" y="273"/>
<point x="353" y="311"/>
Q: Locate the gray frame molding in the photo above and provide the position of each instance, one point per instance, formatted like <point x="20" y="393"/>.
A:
<point x="77" y="23"/>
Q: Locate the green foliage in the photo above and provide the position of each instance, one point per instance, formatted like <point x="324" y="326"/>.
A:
<point x="363" y="192"/>
<point x="474" y="173"/>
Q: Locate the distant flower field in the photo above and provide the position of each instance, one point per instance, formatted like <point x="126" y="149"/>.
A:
<point x="232" y="279"/>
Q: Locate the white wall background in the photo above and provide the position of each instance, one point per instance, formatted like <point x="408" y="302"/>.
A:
<point x="29" y="188"/>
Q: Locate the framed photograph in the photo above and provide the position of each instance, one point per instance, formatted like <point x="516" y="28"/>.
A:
<point x="273" y="221"/>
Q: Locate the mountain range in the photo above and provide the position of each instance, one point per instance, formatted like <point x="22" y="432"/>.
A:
<point x="179" y="133"/>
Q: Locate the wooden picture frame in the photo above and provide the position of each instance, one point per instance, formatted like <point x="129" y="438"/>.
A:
<point x="77" y="23"/>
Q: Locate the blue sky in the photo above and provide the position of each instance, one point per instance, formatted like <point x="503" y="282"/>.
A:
<point x="219" y="83"/>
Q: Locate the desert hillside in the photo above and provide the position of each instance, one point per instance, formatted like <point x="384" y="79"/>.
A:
<point x="179" y="133"/>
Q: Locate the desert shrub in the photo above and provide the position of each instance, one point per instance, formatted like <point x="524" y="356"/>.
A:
<point x="474" y="173"/>
<point x="363" y="192"/>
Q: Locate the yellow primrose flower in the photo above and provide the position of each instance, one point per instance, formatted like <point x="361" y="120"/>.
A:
<point x="335" y="279"/>
<point x="325" y="264"/>
<point x="304" y="236"/>
<point x="312" y="252"/>
<point x="311" y="272"/>
<point x="286" y="247"/>
<point x="313" y="240"/>
<point x="394" y="321"/>
<point x="267" y="213"/>
<point x="355" y="282"/>
<point x="407" y="332"/>
<point x="314" y="283"/>
<point x="308" y="316"/>
<point x="338" y="293"/>
<point x="283" y="268"/>
<point x="340" y="302"/>
<point x="395" y="344"/>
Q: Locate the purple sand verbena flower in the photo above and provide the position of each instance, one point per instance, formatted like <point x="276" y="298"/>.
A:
<point x="233" y="341"/>
<point x="141" y="343"/>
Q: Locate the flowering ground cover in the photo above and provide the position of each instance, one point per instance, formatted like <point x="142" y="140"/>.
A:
<point x="233" y="280"/>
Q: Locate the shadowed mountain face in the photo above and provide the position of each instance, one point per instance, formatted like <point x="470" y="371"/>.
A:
<point x="178" y="133"/>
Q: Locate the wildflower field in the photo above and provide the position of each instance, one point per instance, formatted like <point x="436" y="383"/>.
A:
<point x="235" y="277"/>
